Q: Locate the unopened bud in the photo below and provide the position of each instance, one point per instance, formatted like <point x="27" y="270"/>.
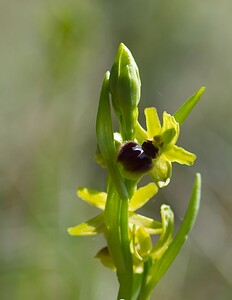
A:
<point x="125" y="89"/>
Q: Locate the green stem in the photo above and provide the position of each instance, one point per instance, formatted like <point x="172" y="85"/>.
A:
<point x="126" y="279"/>
<point x="116" y="219"/>
<point x="126" y="285"/>
<point x="145" y="294"/>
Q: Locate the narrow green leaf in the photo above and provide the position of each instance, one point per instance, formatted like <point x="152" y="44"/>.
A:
<point x="160" y="268"/>
<point x="104" y="127"/>
<point x="156" y="269"/>
<point x="182" y="113"/>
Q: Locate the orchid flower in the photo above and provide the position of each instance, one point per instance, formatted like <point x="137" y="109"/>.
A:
<point x="128" y="155"/>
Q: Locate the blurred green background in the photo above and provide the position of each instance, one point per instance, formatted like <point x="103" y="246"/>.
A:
<point x="53" y="57"/>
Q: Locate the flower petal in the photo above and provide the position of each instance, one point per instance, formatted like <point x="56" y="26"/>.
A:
<point x="169" y="122"/>
<point x="152" y="122"/>
<point x="179" y="155"/>
<point x="140" y="133"/>
<point x="91" y="227"/>
<point x="151" y="226"/>
<point x="144" y="242"/>
<point x="142" y="196"/>
<point x="95" y="198"/>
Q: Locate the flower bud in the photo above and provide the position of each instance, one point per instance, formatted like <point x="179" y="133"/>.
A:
<point x="161" y="172"/>
<point x="105" y="258"/>
<point x="125" y="88"/>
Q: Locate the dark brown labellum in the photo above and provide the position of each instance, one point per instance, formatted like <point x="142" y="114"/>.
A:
<point x="136" y="159"/>
<point x="150" y="149"/>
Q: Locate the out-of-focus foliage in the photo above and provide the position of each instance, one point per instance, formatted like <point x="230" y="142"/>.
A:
<point x="53" y="56"/>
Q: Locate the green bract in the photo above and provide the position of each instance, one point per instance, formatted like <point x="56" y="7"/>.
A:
<point x="138" y="262"/>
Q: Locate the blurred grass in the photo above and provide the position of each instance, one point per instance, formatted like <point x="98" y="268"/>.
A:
<point x="53" y="57"/>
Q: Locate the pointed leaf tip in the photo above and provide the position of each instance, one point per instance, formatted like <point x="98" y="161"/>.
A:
<point x="182" y="113"/>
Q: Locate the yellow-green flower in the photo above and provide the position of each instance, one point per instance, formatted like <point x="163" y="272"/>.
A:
<point x="140" y="227"/>
<point x="96" y="225"/>
<point x="164" y="138"/>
